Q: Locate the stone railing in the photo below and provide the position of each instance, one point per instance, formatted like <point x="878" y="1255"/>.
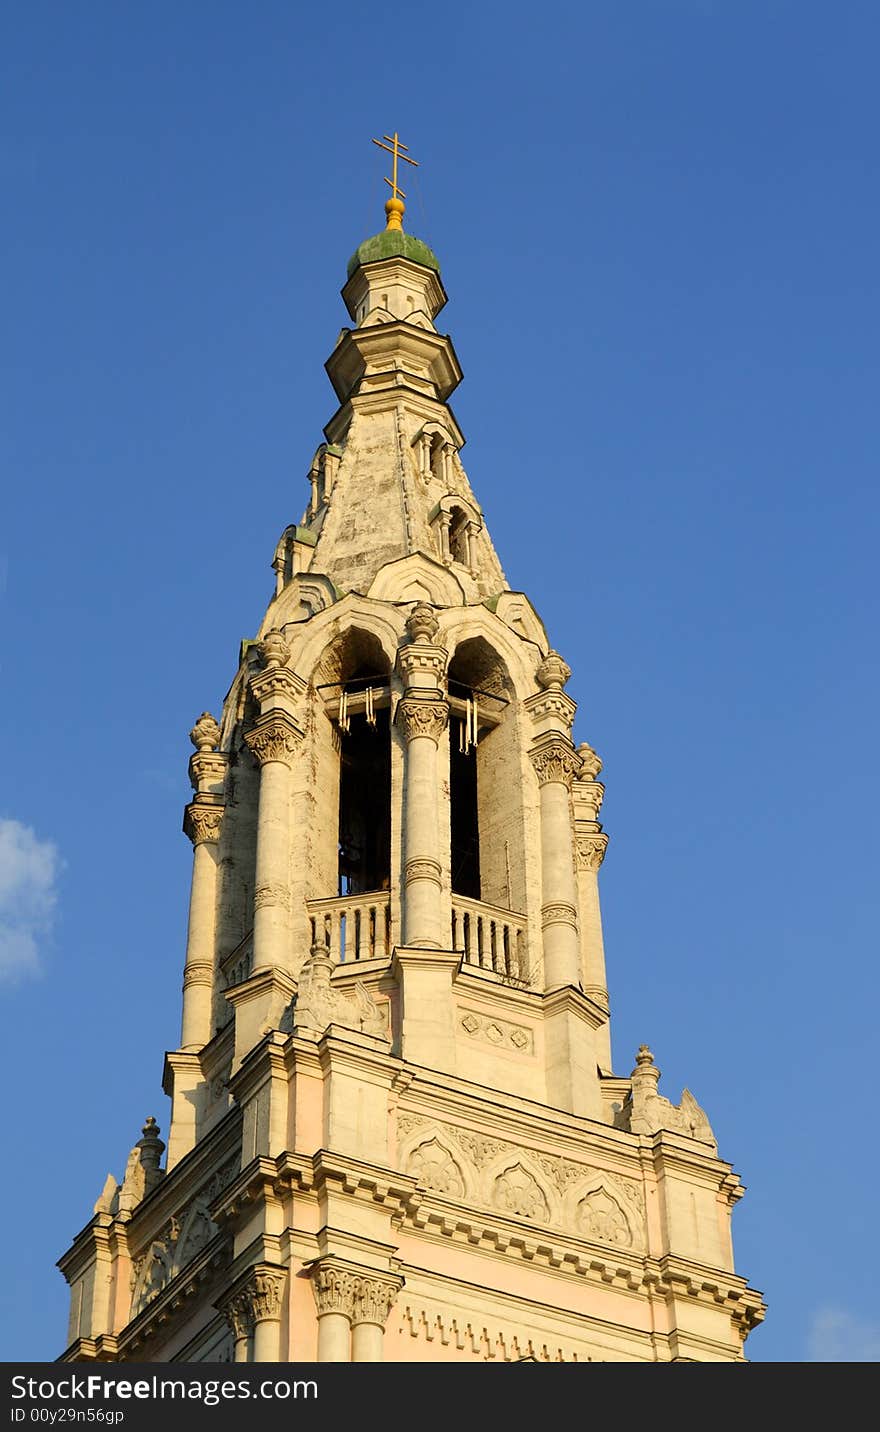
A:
<point x="489" y="937"/>
<point x="353" y="927"/>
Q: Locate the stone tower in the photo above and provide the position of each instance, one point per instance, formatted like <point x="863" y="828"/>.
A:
<point x="395" y="1131"/>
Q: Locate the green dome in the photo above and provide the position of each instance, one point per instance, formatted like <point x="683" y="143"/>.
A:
<point x="392" y="243"/>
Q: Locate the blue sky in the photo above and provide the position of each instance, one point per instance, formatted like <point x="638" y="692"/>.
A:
<point x="658" y="226"/>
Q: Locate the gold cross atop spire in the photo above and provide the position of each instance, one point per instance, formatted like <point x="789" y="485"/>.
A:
<point x="394" y="207"/>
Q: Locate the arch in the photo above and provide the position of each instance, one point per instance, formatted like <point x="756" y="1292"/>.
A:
<point x="599" y="1215"/>
<point x="417" y="578"/>
<point x="434" y="1135"/>
<point x="196" y="1230"/>
<point x="304" y="595"/>
<point x="309" y="643"/>
<point x="516" y="1186"/>
<point x="459" y="626"/>
<point x="434" y="1164"/>
<point x="517" y="612"/>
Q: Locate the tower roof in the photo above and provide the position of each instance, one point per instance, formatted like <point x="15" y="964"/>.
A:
<point x="393" y="243"/>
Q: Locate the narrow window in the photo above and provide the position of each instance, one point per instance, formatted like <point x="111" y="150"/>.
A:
<point x="364" y="792"/>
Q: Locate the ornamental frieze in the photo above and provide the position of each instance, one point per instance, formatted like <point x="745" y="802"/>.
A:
<point x="611" y="1209"/>
<point x="178" y="1241"/>
<point x="498" y="1032"/>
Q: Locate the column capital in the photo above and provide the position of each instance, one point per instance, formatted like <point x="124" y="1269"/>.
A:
<point x="274" y="737"/>
<point x="422" y="716"/>
<point x="375" y="1295"/>
<point x="334" y="1285"/>
<point x="202" y="821"/>
<point x="555" y="759"/>
<point x="236" y="1308"/>
<point x="256" y="1298"/>
<point x="591" y="850"/>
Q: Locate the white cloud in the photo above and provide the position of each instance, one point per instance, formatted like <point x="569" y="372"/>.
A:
<point x="838" y="1336"/>
<point x="28" y="872"/>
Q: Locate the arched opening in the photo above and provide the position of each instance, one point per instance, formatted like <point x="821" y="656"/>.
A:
<point x="458" y="536"/>
<point x="478" y="698"/>
<point x="354" y="680"/>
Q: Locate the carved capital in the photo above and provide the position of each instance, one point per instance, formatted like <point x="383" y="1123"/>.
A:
<point x="555" y="760"/>
<point x="202" y="822"/>
<point x="374" y="1298"/>
<point x="334" y="1287"/>
<point x="418" y="716"/>
<point x="239" y="1315"/>
<point x="591" y="851"/>
<point x="255" y="1300"/>
<point x="264" y="1292"/>
<point x="274" y="738"/>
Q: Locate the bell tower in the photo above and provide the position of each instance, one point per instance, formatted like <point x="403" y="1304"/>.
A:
<point x="395" y="1132"/>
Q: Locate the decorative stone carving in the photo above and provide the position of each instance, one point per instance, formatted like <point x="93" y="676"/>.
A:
<point x="562" y="1174"/>
<point x="591" y="850"/>
<point x="420" y="717"/>
<point x="558" y="913"/>
<point x="318" y="1004"/>
<point x="273" y="649"/>
<point x="434" y="1166"/>
<point x="647" y="1112"/>
<point x="182" y="1237"/>
<point x="334" y="1288"/>
<point x="591" y="763"/>
<point x="516" y="1191"/>
<point x="553" y="672"/>
<point x="198" y="972"/>
<point x="373" y="1299"/>
<point x="601" y="1219"/>
<point x="142" y="1171"/>
<point x="205" y="734"/>
<point x="499" y="1032"/>
<point x="422" y="869"/>
<point x="422" y="624"/>
<point x="272" y="894"/>
<point x="555" y="760"/>
<point x="274" y="738"/>
<point x="239" y="1315"/>
<point x="264" y="1293"/>
<point x="202" y="822"/>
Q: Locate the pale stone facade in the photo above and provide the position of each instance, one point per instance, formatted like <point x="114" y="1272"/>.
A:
<point x="395" y="1131"/>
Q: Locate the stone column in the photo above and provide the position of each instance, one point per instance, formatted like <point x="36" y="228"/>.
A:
<point x="334" y="1287"/>
<point x="265" y="1291"/>
<point x="253" y="1312"/>
<point x="373" y="1302"/>
<point x="556" y="761"/>
<point x="591" y="843"/>
<point x="422" y="714"/>
<point x="202" y="821"/>
<point x="273" y="739"/>
<point x="240" y="1319"/>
